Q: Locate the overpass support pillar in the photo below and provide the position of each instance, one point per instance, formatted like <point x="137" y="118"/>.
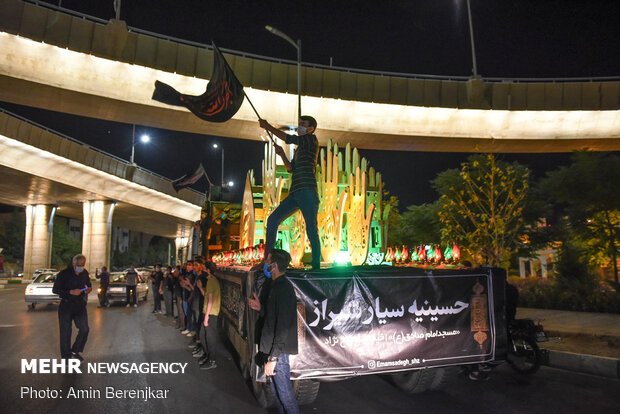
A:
<point x="97" y="233"/>
<point x="184" y="243"/>
<point x="38" y="240"/>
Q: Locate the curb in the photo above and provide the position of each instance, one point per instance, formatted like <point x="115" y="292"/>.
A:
<point x="586" y="364"/>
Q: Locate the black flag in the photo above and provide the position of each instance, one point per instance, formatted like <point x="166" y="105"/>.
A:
<point x="221" y="100"/>
<point x="188" y="179"/>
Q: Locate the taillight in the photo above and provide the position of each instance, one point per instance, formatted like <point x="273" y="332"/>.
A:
<point x="98" y="290"/>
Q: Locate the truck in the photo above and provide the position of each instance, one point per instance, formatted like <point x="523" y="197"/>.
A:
<point x="416" y="325"/>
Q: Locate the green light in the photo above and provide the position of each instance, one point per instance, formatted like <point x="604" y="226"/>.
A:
<point x="342" y="258"/>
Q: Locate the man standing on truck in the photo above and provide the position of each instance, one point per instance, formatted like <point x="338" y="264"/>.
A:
<point x="303" y="193"/>
<point x="278" y="338"/>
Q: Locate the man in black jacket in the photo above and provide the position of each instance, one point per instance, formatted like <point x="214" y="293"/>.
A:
<point x="73" y="286"/>
<point x="278" y="337"/>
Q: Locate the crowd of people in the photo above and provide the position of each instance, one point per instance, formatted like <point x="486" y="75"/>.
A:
<point x="191" y="295"/>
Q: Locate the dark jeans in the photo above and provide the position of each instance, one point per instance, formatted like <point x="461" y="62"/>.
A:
<point x="208" y="337"/>
<point x="181" y="315"/>
<point x="68" y="313"/>
<point x="308" y="202"/>
<point x="282" y="387"/>
<point x="103" y="296"/>
<point x="168" y="303"/>
<point x="156" y="297"/>
<point x="131" y="295"/>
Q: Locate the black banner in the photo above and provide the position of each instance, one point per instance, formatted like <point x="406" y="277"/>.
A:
<point x="221" y="100"/>
<point x="370" y="320"/>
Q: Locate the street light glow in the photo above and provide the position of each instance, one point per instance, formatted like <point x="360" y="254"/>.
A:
<point x="145" y="138"/>
<point x="214" y="145"/>
<point x="231" y="183"/>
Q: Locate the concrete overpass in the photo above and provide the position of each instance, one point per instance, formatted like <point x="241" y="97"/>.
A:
<point x="52" y="174"/>
<point x="58" y="61"/>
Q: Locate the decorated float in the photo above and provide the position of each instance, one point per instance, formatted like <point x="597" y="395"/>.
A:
<point x="413" y="313"/>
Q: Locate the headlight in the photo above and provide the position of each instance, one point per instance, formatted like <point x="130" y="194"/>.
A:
<point x="29" y="290"/>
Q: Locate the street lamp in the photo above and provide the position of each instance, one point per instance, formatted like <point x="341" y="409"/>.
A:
<point x="217" y="146"/>
<point x="471" y="38"/>
<point x="297" y="45"/>
<point x="144" y="139"/>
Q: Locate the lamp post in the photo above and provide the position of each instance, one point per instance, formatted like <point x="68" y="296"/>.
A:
<point x="297" y="46"/>
<point x="471" y="38"/>
<point x="144" y="139"/>
<point x="216" y="146"/>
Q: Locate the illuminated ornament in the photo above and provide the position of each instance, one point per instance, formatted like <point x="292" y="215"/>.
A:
<point x="437" y="254"/>
<point x="422" y="254"/>
<point x="414" y="255"/>
<point x="456" y="252"/>
<point x="447" y="254"/>
<point x="404" y="255"/>
<point x="397" y="255"/>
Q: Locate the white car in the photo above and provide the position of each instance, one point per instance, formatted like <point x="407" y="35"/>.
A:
<point x="37" y="272"/>
<point x="40" y="290"/>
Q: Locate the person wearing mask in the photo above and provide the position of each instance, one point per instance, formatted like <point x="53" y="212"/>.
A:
<point x="104" y="282"/>
<point x="278" y="337"/>
<point x="303" y="193"/>
<point x="73" y="286"/>
<point x="132" y="280"/>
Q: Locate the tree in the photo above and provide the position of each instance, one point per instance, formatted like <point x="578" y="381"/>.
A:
<point x="481" y="206"/>
<point x="13" y="237"/>
<point x="64" y="247"/>
<point x="418" y="225"/>
<point x="586" y="193"/>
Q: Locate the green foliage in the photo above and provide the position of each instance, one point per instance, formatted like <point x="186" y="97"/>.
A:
<point x="158" y="251"/>
<point x="64" y="247"/>
<point x="481" y="208"/>
<point x="587" y="194"/>
<point x="548" y="294"/>
<point x="12" y="237"/>
<point x="417" y="225"/>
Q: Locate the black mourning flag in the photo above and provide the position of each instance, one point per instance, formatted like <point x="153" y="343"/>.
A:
<point x="221" y="100"/>
<point x="188" y="179"/>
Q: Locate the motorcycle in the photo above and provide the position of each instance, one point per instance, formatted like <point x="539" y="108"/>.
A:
<point x="524" y="355"/>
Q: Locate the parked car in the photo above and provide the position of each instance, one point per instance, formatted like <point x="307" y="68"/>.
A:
<point x="118" y="287"/>
<point x="37" y="272"/>
<point x="40" y="290"/>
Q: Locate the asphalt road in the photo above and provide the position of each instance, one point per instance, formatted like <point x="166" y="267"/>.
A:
<point x="119" y="334"/>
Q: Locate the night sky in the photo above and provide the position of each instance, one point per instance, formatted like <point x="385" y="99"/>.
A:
<point x="522" y="39"/>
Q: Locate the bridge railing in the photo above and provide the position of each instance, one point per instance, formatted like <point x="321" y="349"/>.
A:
<point x="322" y="66"/>
<point x="140" y="178"/>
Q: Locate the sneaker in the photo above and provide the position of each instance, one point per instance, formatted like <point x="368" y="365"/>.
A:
<point x="208" y="365"/>
<point x="127" y="305"/>
<point x="185" y="332"/>
<point x="199" y="355"/>
<point x="478" y="376"/>
<point x="160" y="312"/>
<point x="193" y="345"/>
<point x="76" y="355"/>
<point x="203" y="360"/>
<point x="191" y="333"/>
<point x="197" y="350"/>
<point x="154" y="311"/>
<point x="135" y="306"/>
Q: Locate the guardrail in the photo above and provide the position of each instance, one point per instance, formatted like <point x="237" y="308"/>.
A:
<point x="326" y="67"/>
